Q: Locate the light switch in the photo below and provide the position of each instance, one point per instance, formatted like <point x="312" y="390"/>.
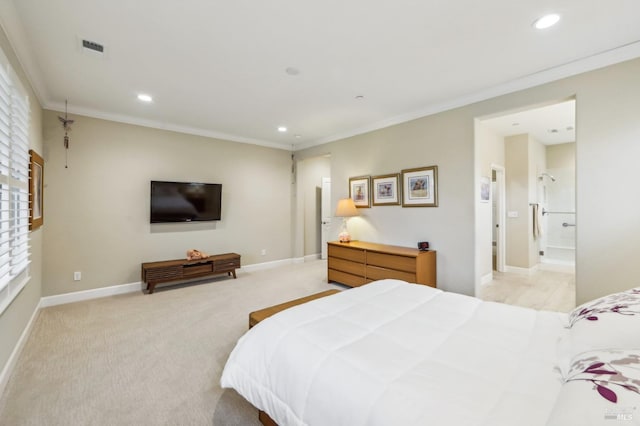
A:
<point x="512" y="214"/>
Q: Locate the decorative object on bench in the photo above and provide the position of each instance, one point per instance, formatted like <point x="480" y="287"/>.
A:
<point x="194" y="254"/>
<point x="180" y="269"/>
<point x="346" y="209"/>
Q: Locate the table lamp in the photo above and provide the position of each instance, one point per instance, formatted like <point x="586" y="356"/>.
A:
<point x="346" y="209"/>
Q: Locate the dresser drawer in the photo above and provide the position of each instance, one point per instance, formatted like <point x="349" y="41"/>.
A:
<point x="355" y="255"/>
<point x="392" y="261"/>
<point x="346" y="266"/>
<point x="345" y="278"/>
<point x="377" y="273"/>
<point x="226" y="265"/>
<point x="197" y="269"/>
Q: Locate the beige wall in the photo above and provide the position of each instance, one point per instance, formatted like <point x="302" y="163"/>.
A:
<point x="435" y="140"/>
<point x="562" y="156"/>
<point x="97" y="211"/>
<point x="517" y="195"/>
<point x="16" y="317"/>
<point x="607" y="101"/>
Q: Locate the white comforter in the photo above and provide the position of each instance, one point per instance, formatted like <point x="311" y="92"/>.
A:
<point x="393" y="353"/>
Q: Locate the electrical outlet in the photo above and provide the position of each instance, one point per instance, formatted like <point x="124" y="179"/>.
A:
<point x="77" y="276"/>
<point x="263" y="252"/>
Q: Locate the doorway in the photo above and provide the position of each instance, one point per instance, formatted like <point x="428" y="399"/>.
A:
<point x="310" y="213"/>
<point x="526" y="148"/>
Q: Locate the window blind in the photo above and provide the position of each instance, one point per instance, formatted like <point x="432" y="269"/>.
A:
<point x="14" y="186"/>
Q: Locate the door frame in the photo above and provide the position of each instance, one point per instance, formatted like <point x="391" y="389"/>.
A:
<point x="325" y="215"/>
<point x="500" y="198"/>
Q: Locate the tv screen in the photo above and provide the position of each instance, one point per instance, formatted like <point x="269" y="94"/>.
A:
<point x="185" y="201"/>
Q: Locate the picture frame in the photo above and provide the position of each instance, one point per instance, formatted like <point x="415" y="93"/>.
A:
<point x="359" y="191"/>
<point x="36" y="190"/>
<point x="384" y="189"/>
<point x="420" y="187"/>
<point x="485" y="189"/>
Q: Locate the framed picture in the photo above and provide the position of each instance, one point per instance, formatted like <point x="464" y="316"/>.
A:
<point x="420" y="187"/>
<point x="36" y="190"/>
<point x="359" y="191"/>
<point x="485" y="189"/>
<point x="385" y="190"/>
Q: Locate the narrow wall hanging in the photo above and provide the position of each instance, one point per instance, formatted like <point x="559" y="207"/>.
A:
<point x="66" y="124"/>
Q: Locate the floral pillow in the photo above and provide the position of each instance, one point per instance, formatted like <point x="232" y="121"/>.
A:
<point x="610" y="322"/>
<point x="623" y="303"/>
<point x="601" y="387"/>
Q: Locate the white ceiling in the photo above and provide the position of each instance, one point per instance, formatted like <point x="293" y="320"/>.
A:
<point x="217" y="68"/>
<point x="550" y="124"/>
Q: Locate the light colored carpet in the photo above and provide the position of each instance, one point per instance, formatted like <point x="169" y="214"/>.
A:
<point x="140" y="359"/>
<point x="156" y="359"/>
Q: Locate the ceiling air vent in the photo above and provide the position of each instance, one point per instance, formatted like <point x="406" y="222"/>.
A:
<point x="92" y="45"/>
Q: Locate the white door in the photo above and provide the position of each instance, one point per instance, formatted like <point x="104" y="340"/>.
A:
<point x="325" y="214"/>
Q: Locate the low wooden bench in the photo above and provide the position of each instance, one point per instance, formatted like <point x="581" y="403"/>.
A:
<point x="257" y="316"/>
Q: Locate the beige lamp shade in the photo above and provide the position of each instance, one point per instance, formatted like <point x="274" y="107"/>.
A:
<point x="346" y="208"/>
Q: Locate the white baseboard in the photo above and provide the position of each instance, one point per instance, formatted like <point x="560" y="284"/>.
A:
<point x="96" y="293"/>
<point x="486" y="279"/>
<point x="266" y="265"/>
<point x="556" y="267"/>
<point x="13" y="358"/>
<point x="282" y="262"/>
<point x="78" y="296"/>
<point x="519" y="270"/>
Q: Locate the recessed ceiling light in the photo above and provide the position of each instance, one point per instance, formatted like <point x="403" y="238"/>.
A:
<point x="546" y="21"/>
<point x="282" y="129"/>
<point x="360" y="97"/>
<point x="144" y="97"/>
<point x="298" y="136"/>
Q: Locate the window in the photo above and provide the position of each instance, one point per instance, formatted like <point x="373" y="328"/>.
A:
<point x="14" y="185"/>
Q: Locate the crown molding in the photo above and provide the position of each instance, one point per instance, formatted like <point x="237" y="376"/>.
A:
<point x="126" y="119"/>
<point x="599" y="60"/>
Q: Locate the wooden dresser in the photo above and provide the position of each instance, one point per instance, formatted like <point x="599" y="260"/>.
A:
<point x="357" y="263"/>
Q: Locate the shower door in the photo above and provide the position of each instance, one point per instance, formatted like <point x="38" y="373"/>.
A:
<point x="559" y="217"/>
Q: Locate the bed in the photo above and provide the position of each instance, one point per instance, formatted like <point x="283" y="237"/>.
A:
<point x="392" y="352"/>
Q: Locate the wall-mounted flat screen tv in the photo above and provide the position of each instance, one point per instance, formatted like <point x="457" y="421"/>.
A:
<point x="185" y="201"/>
